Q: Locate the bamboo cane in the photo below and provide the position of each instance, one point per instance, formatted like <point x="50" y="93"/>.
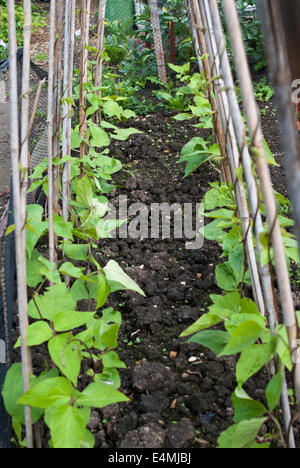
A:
<point x="231" y="152"/>
<point x="194" y="36"/>
<point x="67" y="95"/>
<point x="100" y="44"/>
<point x="254" y="201"/>
<point x="197" y="19"/>
<point x="19" y="182"/>
<point x="160" y="58"/>
<point x="50" y="130"/>
<point x="57" y="116"/>
<point x="281" y="78"/>
<point x="85" y="22"/>
<point x="256" y="136"/>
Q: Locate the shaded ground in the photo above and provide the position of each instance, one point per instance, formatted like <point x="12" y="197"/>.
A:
<point x="180" y="394"/>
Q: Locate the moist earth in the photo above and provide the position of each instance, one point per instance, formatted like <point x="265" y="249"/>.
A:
<point x="180" y="393"/>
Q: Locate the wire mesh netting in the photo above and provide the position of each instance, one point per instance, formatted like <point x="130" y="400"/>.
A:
<point x="120" y="10"/>
<point x="38" y="151"/>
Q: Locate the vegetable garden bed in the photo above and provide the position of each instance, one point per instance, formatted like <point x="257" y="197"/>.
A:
<point x="134" y="339"/>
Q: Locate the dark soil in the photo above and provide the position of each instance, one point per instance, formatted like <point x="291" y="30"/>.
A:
<point x="180" y="393"/>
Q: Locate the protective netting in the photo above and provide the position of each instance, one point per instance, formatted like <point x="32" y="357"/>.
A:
<point x="120" y="10"/>
<point x="38" y="151"/>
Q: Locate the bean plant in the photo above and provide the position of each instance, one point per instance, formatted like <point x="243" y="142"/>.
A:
<point x="38" y="21"/>
<point x="233" y="325"/>
<point x="68" y="313"/>
<point x="241" y="330"/>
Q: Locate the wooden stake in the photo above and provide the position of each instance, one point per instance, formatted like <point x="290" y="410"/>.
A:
<point x="100" y="44"/>
<point x="85" y="28"/>
<point x="254" y="201"/>
<point x="197" y="19"/>
<point x="50" y="130"/>
<point x="67" y="95"/>
<point x="160" y="58"/>
<point x="19" y="178"/>
<point x="256" y="136"/>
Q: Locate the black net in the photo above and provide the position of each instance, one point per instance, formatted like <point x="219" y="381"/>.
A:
<point x="38" y="151"/>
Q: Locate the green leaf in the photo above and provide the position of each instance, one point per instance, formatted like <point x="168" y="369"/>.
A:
<point x="236" y="319"/>
<point x="225" y="277"/>
<point x="223" y="307"/>
<point x="33" y="269"/>
<point x="128" y="114"/>
<point x="49" y="270"/>
<point x="56" y="298"/>
<point x="273" y="391"/>
<point x="99" y="395"/>
<point x="227" y="305"/>
<point x="76" y="251"/>
<point x="111" y="359"/>
<point x="66" y="355"/>
<point x="75" y="138"/>
<point x="222" y="213"/>
<point x="282" y="348"/>
<point x="35" y="227"/>
<point x="243" y="336"/>
<point x="68" y="268"/>
<point x="118" y="280"/>
<point x="215" y="340"/>
<point x="51" y="392"/>
<point x="37" y="333"/>
<point x="122" y="134"/>
<point x="99" y="138"/>
<point x="112" y="109"/>
<point x="70" y="319"/>
<point x="244" y="407"/>
<point x="212" y="231"/>
<point x="108" y="329"/>
<point x="240" y="435"/>
<point x="110" y="376"/>
<point x="84" y="192"/>
<point x="269" y="155"/>
<point x="13" y="390"/>
<point x="183" y="116"/>
<point x="196" y="143"/>
<point x="181" y="70"/>
<point x="248" y="306"/>
<point x="62" y="228"/>
<point x="103" y="290"/>
<point x="67" y="426"/>
<point x="206" y="321"/>
<point x="236" y="260"/>
<point x="195" y="161"/>
<point x="252" y="360"/>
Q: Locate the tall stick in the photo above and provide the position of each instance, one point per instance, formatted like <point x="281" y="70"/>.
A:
<point x="100" y="44"/>
<point x="231" y="151"/>
<point x="197" y="19"/>
<point x="254" y="200"/>
<point x="85" y="27"/>
<point x="67" y="95"/>
<point x="50" y="130"/>
<point x="57" y="116"/>
<point x="19" y="189"/>
<point x="256" y="136"/>
<point x="281" y="77"/>
<point x="160" y="58"/>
